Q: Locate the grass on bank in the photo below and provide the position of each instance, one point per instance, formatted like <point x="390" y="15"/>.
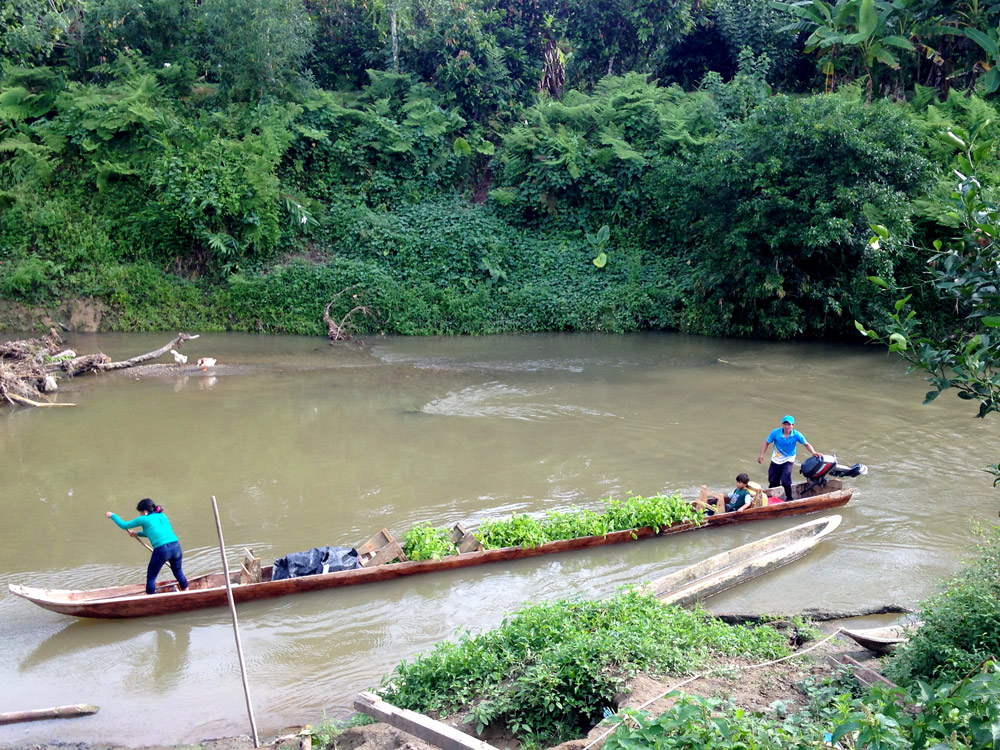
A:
<point x="549" y="672"/>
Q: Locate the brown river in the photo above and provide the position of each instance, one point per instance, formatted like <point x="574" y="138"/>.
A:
<point x="307" y="445"/>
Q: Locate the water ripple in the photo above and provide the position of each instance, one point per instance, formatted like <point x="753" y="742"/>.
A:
<point x="498" y="400"/>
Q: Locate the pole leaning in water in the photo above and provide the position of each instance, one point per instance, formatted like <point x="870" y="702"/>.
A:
<point x="236" y="624"/>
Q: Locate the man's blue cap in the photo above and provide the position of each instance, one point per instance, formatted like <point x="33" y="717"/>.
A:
<point x="788" y="418"/>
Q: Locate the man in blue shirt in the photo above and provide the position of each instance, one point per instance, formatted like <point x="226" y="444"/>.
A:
<point x="785" y="440"/>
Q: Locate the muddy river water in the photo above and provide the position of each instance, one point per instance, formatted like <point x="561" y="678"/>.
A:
<point x="306" y="445"/>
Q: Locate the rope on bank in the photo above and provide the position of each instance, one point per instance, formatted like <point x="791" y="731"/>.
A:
<point x="698" y="676"/>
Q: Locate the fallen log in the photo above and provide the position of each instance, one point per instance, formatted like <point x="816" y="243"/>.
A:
<point x="817" y="615"/>
<point x="56" y="712"/>
<point x="27" y="367"/>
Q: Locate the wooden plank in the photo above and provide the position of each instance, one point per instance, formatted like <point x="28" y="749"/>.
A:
<point x="379" y="550"/>
<point x="420" y="726"/>
<point x="862" y="674"/>
<point x="56" y="712"/>
<point x="464" y="540"/>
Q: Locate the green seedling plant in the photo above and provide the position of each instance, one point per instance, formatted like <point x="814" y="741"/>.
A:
<point x="424" y="542"/>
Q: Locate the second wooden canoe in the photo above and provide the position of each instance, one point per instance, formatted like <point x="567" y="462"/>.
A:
<point x="727" y="569"/>
<point x="881" y="640"/>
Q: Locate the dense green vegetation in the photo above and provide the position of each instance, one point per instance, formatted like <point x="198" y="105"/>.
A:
<point x="549" y="672"/>
<point x="961" y="627"/>
<point x="233" y="165"/>
<point x="958" y="347"/>
<point x="424" y="542"/>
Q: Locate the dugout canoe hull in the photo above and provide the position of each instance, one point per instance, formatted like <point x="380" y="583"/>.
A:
<point x="744" y="563"/>
<point x="881" y="640"/>
<point x="210" y="591"/>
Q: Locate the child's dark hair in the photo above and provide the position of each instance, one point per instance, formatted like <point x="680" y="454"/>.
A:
<point x="743" y="478"/>
<point x="148" y="506"/>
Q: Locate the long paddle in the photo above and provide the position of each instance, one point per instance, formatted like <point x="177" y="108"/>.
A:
<point x="140" y="541"/>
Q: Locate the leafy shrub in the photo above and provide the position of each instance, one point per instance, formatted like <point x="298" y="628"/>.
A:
<point x="549" y="672"/>
<point x="776" y="211"/>
<point x="587" y="153"/>
<point x="31" y="279"/>
<point x="960" y="715"/>
<point x="961" y="624"/>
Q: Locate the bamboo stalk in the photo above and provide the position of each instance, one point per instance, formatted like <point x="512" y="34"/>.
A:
<point x="236" y="625"/>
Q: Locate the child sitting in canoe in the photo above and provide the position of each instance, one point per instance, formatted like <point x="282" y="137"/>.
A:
<point x="739" y="499"/>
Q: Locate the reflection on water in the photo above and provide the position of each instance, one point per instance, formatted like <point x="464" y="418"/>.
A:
<point x="306" y="444"/>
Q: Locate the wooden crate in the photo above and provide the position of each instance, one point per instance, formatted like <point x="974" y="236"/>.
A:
<point x="465" y="541"/>
<point x="380" y="549"/>
<point x="249" y="568"/>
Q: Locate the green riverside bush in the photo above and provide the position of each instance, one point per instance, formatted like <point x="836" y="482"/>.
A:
<point x="549" y="672"/>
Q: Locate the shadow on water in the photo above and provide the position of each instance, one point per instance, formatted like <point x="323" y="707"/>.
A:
<point x="168" y="644"/>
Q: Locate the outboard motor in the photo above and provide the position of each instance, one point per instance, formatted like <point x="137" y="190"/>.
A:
<point x="817" y="468"/>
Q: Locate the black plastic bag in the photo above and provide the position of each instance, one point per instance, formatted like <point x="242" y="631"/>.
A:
<point x="315" y="561"/>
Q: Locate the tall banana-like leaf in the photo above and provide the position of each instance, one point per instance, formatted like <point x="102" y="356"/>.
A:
<point x="991" y="46"/>
<point x="867" y="19"/>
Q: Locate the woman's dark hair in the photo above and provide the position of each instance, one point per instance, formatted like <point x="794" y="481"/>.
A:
<point x="148" y="506"/>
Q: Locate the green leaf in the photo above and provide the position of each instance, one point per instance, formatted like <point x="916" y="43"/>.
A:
<point x="898" y="41"/>
<point x="603" y="233"/>
<point x="881" y="231"/>
<point x="844" y="729"/>
<point x="991" y="81"/>
<point x="461" y="147"/>
<point x="867" y="18"/>
<point x="992" y="321"/>
<point x="897" y="342"/>
<point x="878" y="281"/>
<point x="601" y="260"/>
<point x="988" y="44"/>
<point x="885" y="57"/>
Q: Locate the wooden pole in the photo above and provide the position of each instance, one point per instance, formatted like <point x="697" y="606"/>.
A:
<point x="56" y="712"/>
<point x="141" y="542"/>
<point x="236" y="624"/>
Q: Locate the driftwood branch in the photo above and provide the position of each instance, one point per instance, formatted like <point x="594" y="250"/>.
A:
<point x="337" y="331"/>
<point x="28" y="367"/>
<point x="175" y="344"/>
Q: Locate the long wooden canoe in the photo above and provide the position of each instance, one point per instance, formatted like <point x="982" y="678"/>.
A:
<point x="727" y="569"/>
<point x="210" y="591"/>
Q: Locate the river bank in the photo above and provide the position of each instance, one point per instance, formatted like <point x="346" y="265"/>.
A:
<point x="754" y="688"/>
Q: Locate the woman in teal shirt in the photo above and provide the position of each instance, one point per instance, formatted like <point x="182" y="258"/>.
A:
<point x="155" y="526"/>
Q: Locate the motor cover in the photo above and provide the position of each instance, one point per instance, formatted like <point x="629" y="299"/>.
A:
<point x="817" y="467"/>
